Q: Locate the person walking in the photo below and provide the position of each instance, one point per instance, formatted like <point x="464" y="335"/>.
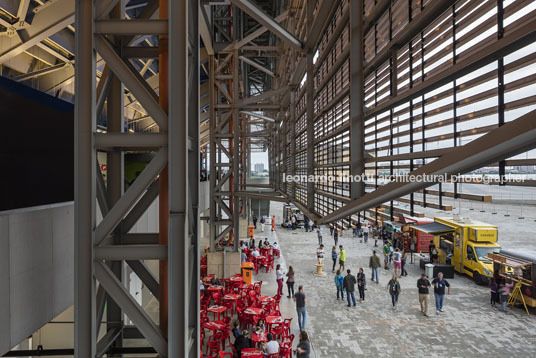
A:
<point x="386" y="253"/>
<point x="376" y="233"/>
<point x="311" y="225"/>
<point x="306" y="224"/>
<point x="397" y="262"/>
<point x="361" y="284"/>
<point x="404" y="258"/>
<point x="279" y="278"/>
<point x="374" y="264"/>
<point x="439" y="291"/>
<point x="349" y="285"/>
<point x="339" y="284"/>
<point x="494" y="289"/>
<point x="342" y="257"/>
<point x="394" y="289"/>
<point x="319" y="235"/>
<point x="293" y="221"/>
<point x="424" y="296"/>
<point x="273" y="223"/>
<point x="365" y="235"/>
<point x="331" y="230"/>
<point x="255" y="221"/>
<point x="320" y="254"/>
<point x="300" y="300"/>
<point x="290" y="282"/>
<point x="303" y="349"/>
<point x="336" y="236"/>
<point x="263" y="221"/>
<point x="334" y="257"/>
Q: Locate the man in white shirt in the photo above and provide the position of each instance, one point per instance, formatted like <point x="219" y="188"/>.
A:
<point x="275" y="246"/>
<point x="255" y="253"/>
<point x="320" y="254"/>
<point x="271" y="347"/>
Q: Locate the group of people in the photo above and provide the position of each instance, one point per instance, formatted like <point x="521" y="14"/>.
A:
<point x="500" y="290"/>
<point x="243" y="340"/>
<point x="392" y="254"/>
<point x="263" y="221"/>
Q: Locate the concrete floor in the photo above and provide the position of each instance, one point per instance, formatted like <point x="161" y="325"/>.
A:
<point x="469" y="327"/>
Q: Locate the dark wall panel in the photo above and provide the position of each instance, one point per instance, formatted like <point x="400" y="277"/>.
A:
<point x="36" y="147"/>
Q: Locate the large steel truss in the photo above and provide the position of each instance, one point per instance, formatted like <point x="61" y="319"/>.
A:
<point x="101" y="247"/>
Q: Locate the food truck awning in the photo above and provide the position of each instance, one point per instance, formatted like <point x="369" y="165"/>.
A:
<point x="434" y="228"/>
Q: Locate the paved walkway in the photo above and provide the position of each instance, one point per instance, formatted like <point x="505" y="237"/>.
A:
<point x="468" y="328"/>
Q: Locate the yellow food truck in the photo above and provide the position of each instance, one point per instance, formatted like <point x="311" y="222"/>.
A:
<point x="465" y="244"/>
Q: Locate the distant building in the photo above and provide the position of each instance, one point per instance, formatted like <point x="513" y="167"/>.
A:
<point x="259" y="168"/>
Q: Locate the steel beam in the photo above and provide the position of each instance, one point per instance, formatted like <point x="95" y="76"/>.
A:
<point x="512" y="138"/>
<point x="131" y="27"/>
<point x="256" y="115"/>
<point x="132" y="82"/>
<point x="254" y="34"/>
<point x="130" y="140"/>
<point x="103" y="7"/>
<point x="131" y="308"/>
<point x="263" y="96"/>
<point x="85" y="169"/>
<point x="148" y="279"/>
<point x="56" y="17"/>
<point x="121" y="208"/>
<point x="257" y="66"/>
<point x="256" y="13"/>
<point x="107" y="340"/>
<point x="141" y="206"/>
<point x="131" y="252"/>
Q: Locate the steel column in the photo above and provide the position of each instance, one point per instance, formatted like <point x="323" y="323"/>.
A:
<point x="85" y="183"/>
<point x="310" y="113"/>
<point x="357" y="124"/>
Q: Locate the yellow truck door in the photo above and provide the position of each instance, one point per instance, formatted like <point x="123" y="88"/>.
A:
<point x="470" y="264"/>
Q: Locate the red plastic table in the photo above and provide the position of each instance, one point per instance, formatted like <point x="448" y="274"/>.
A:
<point x="217" y="310"/>
<point x="215" y="288"/>
<point x="236" y="281"/>
<point x="252" y="352"/>
<point x="259" y="338"/>
<point x="231" y="297"/>
<point x="265" y="299"/>
<point x="271" y="320"/>
<point x="253" y="311"/>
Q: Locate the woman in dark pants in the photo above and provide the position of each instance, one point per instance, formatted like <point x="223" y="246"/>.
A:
<point x="334" y="257"/>
<point x="361" y="282"/>
<point x="290" y="282"/>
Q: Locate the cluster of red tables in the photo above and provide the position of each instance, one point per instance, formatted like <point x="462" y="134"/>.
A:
<point x="219" y="303"/>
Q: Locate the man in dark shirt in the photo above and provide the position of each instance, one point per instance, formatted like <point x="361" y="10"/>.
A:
<point x="299" y="298"/>
<point x="422" y="285"/>
<point x="241" y="342"/>
<point x="439" y="291"/>
<point x="349" y="284"/>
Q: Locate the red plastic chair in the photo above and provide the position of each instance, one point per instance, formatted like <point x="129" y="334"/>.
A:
<point x="288" y="339"/>
<point x="285" y="350"/>
<point x="286" y="323"/>
<point x="278" y="330"/>
<point x="214" y="342"/>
